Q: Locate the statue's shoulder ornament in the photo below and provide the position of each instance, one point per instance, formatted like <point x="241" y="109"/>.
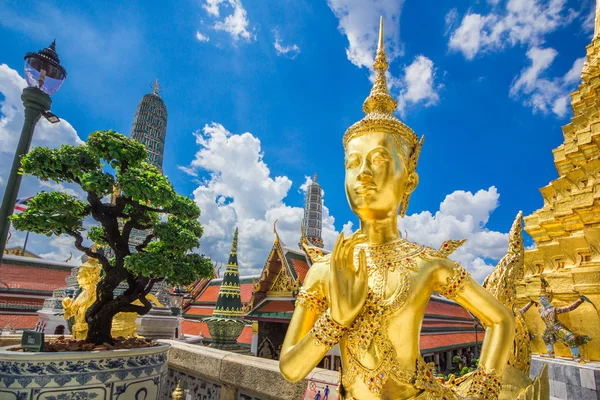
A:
<point x="458" y="277"/>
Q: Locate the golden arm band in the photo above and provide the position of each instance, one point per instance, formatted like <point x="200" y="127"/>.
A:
<point x="326" y="331"/>
<point x="455" y="284"/>
<point x="485" y="384"/>
<point x="313" y="300"/>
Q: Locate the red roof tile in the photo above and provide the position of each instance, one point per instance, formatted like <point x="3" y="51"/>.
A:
<point x="301" y="268"/>
<point x="33" y="278"/>
<point x="428" y="342"/>
<point x="447" y="309"/>
<point x="18" y="321"/>
<point x="200" y="311"/>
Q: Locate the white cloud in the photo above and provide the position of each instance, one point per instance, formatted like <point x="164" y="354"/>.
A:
<point x="242" y="192"/>
<point x="64" y="250"/>
<point x="543" y="94"/>
<point x="359" y="21"/>
<point x="201" y="37"/>
<point x="290" y="51"/>
<point x="47" y="135"/>
<point x="418" y="84"/>
<point x="212" y="6"/>
<point x="236" y="23"/>
<point x="523" y="22"/>
<point x="462" y="215"/>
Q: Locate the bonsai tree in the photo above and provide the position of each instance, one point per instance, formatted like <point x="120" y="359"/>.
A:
<point x="135" y="196"/>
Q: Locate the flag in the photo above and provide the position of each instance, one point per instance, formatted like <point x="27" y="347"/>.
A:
<point x="21" y="204"/>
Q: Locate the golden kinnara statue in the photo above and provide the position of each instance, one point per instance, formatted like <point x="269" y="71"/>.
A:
<point x="88" y="277"/>
<point x="370" y="294"/>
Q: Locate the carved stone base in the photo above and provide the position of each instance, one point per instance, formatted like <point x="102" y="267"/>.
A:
<point x="159" y="323"/>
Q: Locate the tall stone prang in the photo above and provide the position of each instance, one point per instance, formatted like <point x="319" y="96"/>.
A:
<point x="312" y="223"/>
<point x="150" y="125"/>
<point x="150" y="128"/>
<point x="566" y="230"/>
<point x="227" y="323"/>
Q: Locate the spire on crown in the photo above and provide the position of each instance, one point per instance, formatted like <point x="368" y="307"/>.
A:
<point x="379" y="99"/>
<point x="379" y="108"/>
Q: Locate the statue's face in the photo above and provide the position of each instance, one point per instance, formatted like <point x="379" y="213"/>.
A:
<point x="376" y="176"/>
<point x="544" y="301"/>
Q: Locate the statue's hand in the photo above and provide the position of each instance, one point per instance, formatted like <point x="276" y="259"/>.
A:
<point x="347" y="284"/>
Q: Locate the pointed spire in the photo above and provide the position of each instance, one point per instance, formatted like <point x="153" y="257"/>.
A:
<point x="379" y="99"/>
<point x="53" y="45"/>
<point x="229" y="303"/>
<point x="156" y="89"/>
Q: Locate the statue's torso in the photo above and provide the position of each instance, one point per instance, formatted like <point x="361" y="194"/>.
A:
<point x="381" y="349"/>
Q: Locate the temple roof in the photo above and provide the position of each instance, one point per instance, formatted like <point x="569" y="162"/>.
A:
<point x="30" y="274"/>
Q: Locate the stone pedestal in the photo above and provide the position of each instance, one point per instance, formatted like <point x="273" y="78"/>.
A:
<point x="568" y="379"/>
<point x="159" y="323"/>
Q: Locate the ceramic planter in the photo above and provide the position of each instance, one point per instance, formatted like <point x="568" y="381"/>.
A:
<point x="135" y="374"/>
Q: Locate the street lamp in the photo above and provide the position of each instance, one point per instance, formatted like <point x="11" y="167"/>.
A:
<point x="44" y="76"/>
<point x="177" y="298"/>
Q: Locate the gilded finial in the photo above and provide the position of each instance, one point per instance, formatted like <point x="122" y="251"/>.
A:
<point x="178" y="392"/>
<point x="156" y="89"/>
<point x="379" y="108"/>
<point x="315" y="177"/>
<point x="379" y="99"/>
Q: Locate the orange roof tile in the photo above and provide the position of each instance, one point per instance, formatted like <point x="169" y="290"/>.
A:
<point x="32" y="278"/>
<point x="18" y="321"/>
<point x="246" y="292"/>
<point x="435" y="341"/>
<point x="277" y="306"/>
<point x="301" y="268"/>
<point x="209" y="295"/>
<point x="449" y="323"/>
<point x="447" y="309"/>
<point x="193" y="328"/>
<point x="246" y="336"/>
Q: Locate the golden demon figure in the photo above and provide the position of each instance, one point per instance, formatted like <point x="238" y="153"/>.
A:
<point x="370" y="294"/>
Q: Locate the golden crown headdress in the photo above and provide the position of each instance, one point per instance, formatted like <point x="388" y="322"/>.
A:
<point x="379" y="108"/>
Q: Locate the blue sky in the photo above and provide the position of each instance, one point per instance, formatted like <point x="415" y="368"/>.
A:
<point x="259" y="94"/>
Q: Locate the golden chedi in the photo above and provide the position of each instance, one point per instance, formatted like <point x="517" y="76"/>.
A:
<point x="566" y="230"/>
<point x="370" y="294"/>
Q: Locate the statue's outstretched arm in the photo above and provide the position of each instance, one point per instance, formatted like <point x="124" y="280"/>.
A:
<point x="570" y="307"/>
<point x="456" y="283"/>
<point x="526" y="307"/>
<point x="302" y="350"/>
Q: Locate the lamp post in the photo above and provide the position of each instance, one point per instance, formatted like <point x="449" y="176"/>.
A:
<point x="177" y="299"/>
<point x="476" y="324"/>
<point x="44" y="76"/>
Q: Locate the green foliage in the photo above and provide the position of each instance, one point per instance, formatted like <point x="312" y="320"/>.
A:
<point x="142" y="193"/>
<point x="116" y="149"/>
<point x="465" y="370"/>
<point x="52" y="213"/>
